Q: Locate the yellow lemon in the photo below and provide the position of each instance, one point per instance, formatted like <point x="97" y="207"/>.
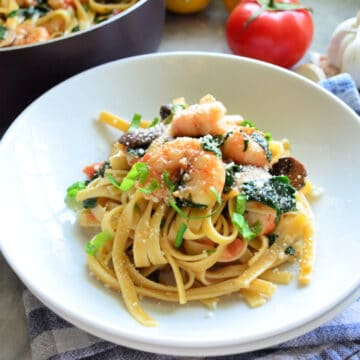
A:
<point x="230" y="4"/>
<point x="186" y="6"/>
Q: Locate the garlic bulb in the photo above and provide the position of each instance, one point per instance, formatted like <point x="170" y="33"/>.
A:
<point x="344" y="48"/>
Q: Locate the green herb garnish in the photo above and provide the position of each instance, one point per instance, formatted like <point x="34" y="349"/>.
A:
<point x="97" y="242"/>
<point x="246" y="142"/>
<point x="179" y="236"/>
<point x="290" y="251"/>
<point x="154" y="122"/>
<point x="135" y="122"/>
<point x="249" y="123"/>
<point x="174" y="109"/>
<point x="248" y="233"/>
<point x="230" y="171"/>
<point x="217" y="195"/>
<point x="100" y="172"/>
<point x="3" y="32"/>
<point x="188" y="203"/>
<point x="139" y="171"/>
<point x="73" y="189"/>
<point x="263" y="143"/>
<point x="268" y="136"/>
<point x="152" y="187"/>
<point x="275" y="192"/>
<point x="240" y="204"/>
<point x="137" y="152"/>
<point x="12" y="14"/>
<point x="89" y="203"/>
<point x="272" y="238"/>
<point x="75" y="29"/>
<point x="237" y="218"/>
<point x="212" y="144"/>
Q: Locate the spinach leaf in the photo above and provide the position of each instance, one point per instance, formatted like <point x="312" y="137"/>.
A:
<point x="275" y="192"/>
<point x="3" y="32"/>
<point x="230" y="171"/>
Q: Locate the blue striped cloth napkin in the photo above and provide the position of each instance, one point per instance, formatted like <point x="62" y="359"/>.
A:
<point x="53" y="338"/>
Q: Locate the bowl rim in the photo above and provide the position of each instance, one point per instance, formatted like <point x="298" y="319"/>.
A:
<point x="147" y="340"/>
<point x="78" y="33"/>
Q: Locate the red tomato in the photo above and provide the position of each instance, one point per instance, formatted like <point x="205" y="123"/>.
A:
<point x="280" y="37"/>
<point x="90" y="170"/>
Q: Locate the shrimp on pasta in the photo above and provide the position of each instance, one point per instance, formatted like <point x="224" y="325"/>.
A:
<point x="193" y="206"/>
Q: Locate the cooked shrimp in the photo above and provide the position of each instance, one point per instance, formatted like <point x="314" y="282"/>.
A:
<point x="209" y="117"/>
<point x="28" y="33"/>
<point x="244" y="150"/>
<point x="26" y="3"/>
<point x="185" y="160"/>
<point x="199" y="119"/>
<point x="265" y="215"/>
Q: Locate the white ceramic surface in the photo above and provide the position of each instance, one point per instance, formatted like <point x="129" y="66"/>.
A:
<point x="47" y="146"/>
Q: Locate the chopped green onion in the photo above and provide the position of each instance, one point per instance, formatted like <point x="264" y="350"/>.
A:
<point x="167" y="181"/>
<point x="89" y="203"/>
<point x="179" y="236"/>
<point x="240" y="204"/>
<point x="249" y="124"/>
<point x="244" y="229"/>
<point x="86" y="7"/>
<point x="154" y="122"/>
<point x="210" y="252"/>
<point x="113" y="180"/>
<point x="290" y="251"/>
<point x="217" y="195"/>
<point x="153" y="186"/>
<point x="73" y="189"/>
<point x="97" y="242"/>
<point x="188" y="203"/>
<point x="135" y="122"/>
<point x="139" y="171"/>
<point x="268" y="136"/>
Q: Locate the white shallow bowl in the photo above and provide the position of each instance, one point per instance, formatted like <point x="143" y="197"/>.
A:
<point x="50" y="142"/>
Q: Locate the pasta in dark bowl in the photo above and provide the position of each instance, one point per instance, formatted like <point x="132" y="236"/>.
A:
<point x="42" y="42"/>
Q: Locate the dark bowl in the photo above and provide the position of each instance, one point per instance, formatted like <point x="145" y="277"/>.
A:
<point x="28" y="71"/>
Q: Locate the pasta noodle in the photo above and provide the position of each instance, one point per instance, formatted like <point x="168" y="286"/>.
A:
<point x="193" y="207"/>
<point x="24" y="22"/>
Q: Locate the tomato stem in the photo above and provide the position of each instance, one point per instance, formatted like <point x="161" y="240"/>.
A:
<point x="271" y="4"/>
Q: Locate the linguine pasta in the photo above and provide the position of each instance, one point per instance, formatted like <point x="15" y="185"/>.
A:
<point x="194" y="206"/>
